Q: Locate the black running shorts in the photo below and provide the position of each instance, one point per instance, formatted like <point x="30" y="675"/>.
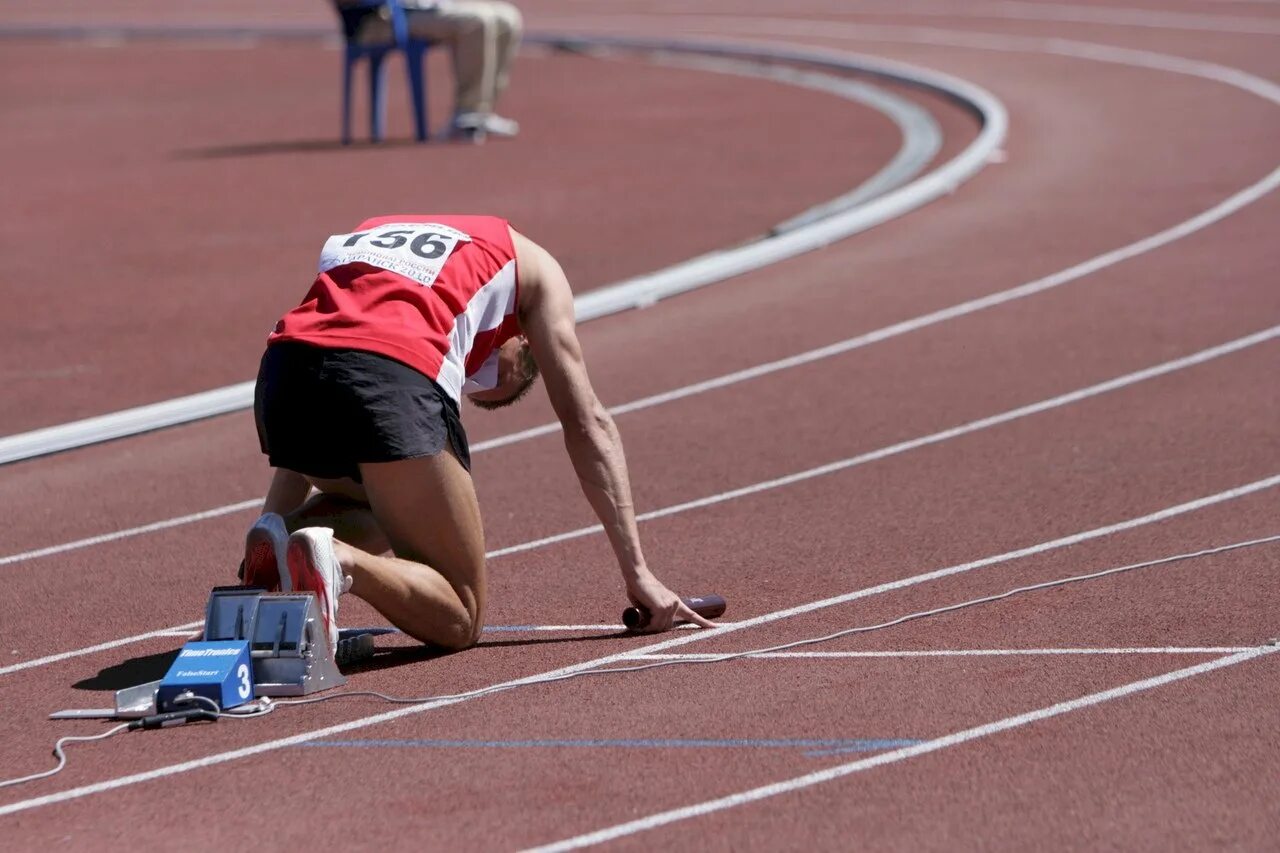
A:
<point x="323" y="411"/>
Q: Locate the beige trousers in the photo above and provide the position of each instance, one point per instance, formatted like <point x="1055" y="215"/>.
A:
<point x="482" y="34"/>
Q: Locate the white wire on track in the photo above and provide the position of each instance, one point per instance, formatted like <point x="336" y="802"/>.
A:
<point x="61" y="755"/>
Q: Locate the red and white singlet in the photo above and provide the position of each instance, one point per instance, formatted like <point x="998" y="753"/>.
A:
<point x="437" y="293"/>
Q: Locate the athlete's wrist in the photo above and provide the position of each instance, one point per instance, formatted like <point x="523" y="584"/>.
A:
<point x="636" y="574"/>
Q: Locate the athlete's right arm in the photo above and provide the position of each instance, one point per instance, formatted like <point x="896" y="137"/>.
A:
<point x="547" y="320"/>
<point x="590" y="436"/>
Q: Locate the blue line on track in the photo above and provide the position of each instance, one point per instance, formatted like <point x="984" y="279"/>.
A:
<point x="816" y="747"/>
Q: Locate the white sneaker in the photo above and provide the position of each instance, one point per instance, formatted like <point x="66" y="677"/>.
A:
<point x="476" y="126"/>
<point x="500" y="126"/>
<point x="467" y="127"/>
<point x="314" y="568"/>
<point x="264" y="554"/>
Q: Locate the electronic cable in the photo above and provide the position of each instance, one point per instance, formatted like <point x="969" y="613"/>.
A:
<point x="62" y="756"/>
<point x="498" y="688"/>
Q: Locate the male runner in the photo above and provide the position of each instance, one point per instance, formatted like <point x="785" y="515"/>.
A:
<point x="357" y="398"/>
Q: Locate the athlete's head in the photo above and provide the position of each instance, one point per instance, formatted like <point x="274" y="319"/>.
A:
<point x="516" y="372"/>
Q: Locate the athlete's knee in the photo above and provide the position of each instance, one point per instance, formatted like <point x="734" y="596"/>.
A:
<point x="467" y="619"/>
<point x="463" y="631"/>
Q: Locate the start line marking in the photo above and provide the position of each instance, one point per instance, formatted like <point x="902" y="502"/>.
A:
<point x="193" y="629"/>
<point x="946" y="653"/>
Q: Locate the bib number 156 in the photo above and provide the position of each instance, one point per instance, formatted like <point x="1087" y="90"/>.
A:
<point x="415" y="250"/>
<point x="427" y="245"/>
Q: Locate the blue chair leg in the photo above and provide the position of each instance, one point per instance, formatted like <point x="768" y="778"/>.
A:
<point x="377" y="97"/>
<point x="347" y="66"/>
<point x="417" y="91"/>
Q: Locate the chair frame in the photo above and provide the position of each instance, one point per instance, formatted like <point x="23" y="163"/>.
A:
<point x="414" y="51"/>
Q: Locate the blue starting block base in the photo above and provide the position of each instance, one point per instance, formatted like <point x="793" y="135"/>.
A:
<point x="219" y="671"/>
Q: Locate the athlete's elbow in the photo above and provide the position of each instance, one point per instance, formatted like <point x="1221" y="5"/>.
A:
<point x="593" y="425"/>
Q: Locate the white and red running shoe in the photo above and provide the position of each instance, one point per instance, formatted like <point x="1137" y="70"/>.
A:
<point x="264" y="554"/>
<point x="314" y="568"/>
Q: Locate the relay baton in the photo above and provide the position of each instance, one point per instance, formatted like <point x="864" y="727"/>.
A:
<point x="709" y="606"/>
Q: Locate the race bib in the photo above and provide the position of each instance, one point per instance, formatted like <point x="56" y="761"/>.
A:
<point x="416" y="250"/>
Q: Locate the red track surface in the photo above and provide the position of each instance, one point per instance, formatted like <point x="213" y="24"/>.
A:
<point x="1099" y="155"/>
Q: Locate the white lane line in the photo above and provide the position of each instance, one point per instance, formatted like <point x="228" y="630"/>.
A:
<point x="1000" y="42"/>
<point x="1069" y="14"/>
<point x="1139" y="18"/>
<point x="948" y="653"/>
<point x="622" y="657"/>
<point x="915" y="443"/>
<point x="192" y="628"/>
<point x="892" y="757"/>
<point x="921" y="135"/>
<point x="132" y="531"/>
<point x="101" y="647"/>
<point x="974" y="426"/>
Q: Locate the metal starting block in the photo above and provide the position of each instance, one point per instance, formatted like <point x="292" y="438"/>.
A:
<point x="287" y="642"/>
<point x="288" y="650"/>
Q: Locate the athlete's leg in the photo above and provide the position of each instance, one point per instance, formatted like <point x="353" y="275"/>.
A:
<point x="342" y="506"/>
<point x="433" y="588"/>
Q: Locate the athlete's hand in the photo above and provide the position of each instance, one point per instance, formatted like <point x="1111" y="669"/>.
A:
<point x="664" y="606"/>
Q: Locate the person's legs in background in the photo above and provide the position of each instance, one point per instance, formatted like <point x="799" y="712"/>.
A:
<point x="484" y="37"/>
<point x="509" y="25"/>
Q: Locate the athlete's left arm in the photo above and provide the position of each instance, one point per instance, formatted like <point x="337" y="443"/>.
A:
<point x="590" y="436"/>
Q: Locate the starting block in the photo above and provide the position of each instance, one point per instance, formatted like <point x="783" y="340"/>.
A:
<point x="287" y="643"/>
<point x="254" y="644"/>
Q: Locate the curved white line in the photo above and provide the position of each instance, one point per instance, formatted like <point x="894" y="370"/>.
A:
<point x="718" y="266"/>
<point x="1000" y="42"/>
<point x="1108" y="15"/>
<point x="1064" y="13"/>
<point x="636" y="292"/>
<point x="921" y="136"/>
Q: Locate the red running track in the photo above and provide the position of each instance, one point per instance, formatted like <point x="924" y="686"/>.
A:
<point x="1100" y="155"/>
